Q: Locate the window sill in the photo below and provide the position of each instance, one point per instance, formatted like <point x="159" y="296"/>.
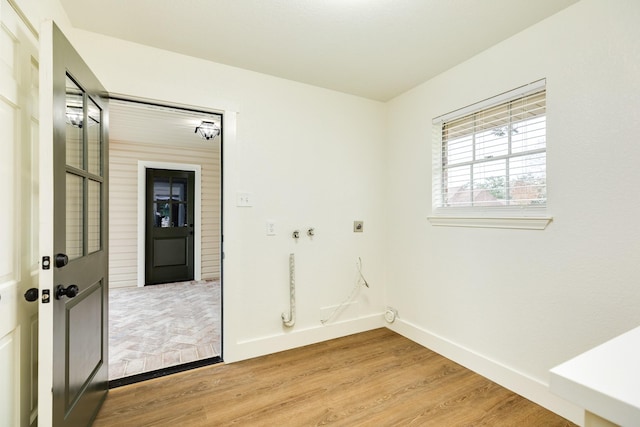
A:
<point x="520" y="223"/>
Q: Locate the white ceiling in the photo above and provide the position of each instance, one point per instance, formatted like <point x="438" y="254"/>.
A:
<point x="158" y="125"/>
<point x="376" y="49"/>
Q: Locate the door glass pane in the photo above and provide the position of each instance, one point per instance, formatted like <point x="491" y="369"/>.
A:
<point x="161" y="197"/>
<point x="93" y="216"/>
<point x="74" y="219"/>
<point x="180" y="214"/>
<point x="179" y="189"/>
<point x="94" y="143"/>
<point x="74" y="121"/>
<point x="162" y="214"/>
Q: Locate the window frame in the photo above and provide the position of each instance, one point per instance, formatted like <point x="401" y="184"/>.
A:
<point x="508" y="216"/>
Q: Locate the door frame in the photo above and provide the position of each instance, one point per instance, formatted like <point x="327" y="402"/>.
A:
<point x="143" y="165"/>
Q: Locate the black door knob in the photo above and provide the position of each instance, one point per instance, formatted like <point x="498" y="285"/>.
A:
<point x="31" y="295"/>
<point x="69" y="292"/>
<point x="61" y="260"/>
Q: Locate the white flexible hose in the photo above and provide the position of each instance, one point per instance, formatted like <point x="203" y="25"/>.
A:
<point x="290" y="319"/>
<point x="361" y="281"/>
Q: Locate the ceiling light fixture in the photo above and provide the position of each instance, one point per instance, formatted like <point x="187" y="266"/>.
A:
<point x="208" y="130"/>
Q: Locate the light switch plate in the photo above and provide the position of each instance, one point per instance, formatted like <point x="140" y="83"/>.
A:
<point x="244" y="199"/>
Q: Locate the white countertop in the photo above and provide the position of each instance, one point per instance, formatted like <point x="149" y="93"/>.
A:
<point x="604" y="380"/>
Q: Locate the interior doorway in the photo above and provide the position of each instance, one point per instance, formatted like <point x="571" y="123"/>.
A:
<point x="166" y="205"/>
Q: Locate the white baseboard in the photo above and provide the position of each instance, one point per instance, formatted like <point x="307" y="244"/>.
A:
<point x="297" y="337"/>
<point x="524" y="385"/>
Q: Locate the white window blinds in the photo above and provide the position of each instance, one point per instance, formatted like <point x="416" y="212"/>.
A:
<point x="493" y="154"/>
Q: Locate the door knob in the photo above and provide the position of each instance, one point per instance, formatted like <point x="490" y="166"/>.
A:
<point x="61" y="260"/>
<point x="70" y="291"/>
<point x="31" y="295"/>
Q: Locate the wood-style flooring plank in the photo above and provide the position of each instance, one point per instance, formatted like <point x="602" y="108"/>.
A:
<point x="373" y="378"/>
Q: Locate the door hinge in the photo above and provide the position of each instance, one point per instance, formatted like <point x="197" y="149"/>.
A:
<point x="46" y="262"/>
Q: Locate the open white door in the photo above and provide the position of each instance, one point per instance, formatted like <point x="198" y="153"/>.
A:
<point x="73" y="333"/>
<point x="18" y="220"/>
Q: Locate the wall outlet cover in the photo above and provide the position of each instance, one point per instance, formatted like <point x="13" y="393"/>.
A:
<point x="271" y="228"/>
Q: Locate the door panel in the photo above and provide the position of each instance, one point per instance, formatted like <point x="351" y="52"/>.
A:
<point x="169" y="226"/>
<point x="73" y="346"/>
<point x="84" y="332"/>
<point x="9" y="352"/>
<point x="169" y="252"/>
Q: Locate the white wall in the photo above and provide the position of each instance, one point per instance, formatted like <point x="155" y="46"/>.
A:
<point x="310" y="158"/>
<point x="514" y="303"/>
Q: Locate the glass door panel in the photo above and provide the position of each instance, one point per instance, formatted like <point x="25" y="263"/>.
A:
<point x="181" y="215"/>
<point x="84" y="152"/>
<point x="162" y="204"/>
<point x="179" y="198"/>
<point x="74" y="216"/>
<point x="94" y="145"/>
<point x="75" y="119"/>
<point x="94" y="241"/>
<point x="179" y="189"/>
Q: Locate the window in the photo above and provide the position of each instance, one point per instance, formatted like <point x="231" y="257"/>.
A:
<point x="494" y="155"/>
<point x="490" y="157"/>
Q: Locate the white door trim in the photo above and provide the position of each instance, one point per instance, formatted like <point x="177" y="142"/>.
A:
<point x="197" y="241"/>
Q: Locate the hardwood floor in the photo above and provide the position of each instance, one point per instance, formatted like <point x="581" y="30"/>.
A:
<point x="376" y="378"/>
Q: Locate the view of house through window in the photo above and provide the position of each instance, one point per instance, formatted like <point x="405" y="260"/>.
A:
<point x="495" y="156"/>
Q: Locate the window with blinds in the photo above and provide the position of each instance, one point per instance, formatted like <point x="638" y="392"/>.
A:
<point x="493" y="154"/>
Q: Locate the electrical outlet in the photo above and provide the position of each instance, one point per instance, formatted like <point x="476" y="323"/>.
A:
<point x="358" y="226"/>
<point x="271" y="228"/>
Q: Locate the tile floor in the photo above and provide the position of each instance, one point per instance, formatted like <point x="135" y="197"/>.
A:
<point x="157" y="326"/>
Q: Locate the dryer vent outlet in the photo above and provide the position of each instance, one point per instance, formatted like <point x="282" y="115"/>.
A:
<point x="390" y="314"/>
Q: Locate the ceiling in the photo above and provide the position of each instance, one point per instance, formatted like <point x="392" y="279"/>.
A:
<point x="376" y="49"/>
<point x="158" y="125"/>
